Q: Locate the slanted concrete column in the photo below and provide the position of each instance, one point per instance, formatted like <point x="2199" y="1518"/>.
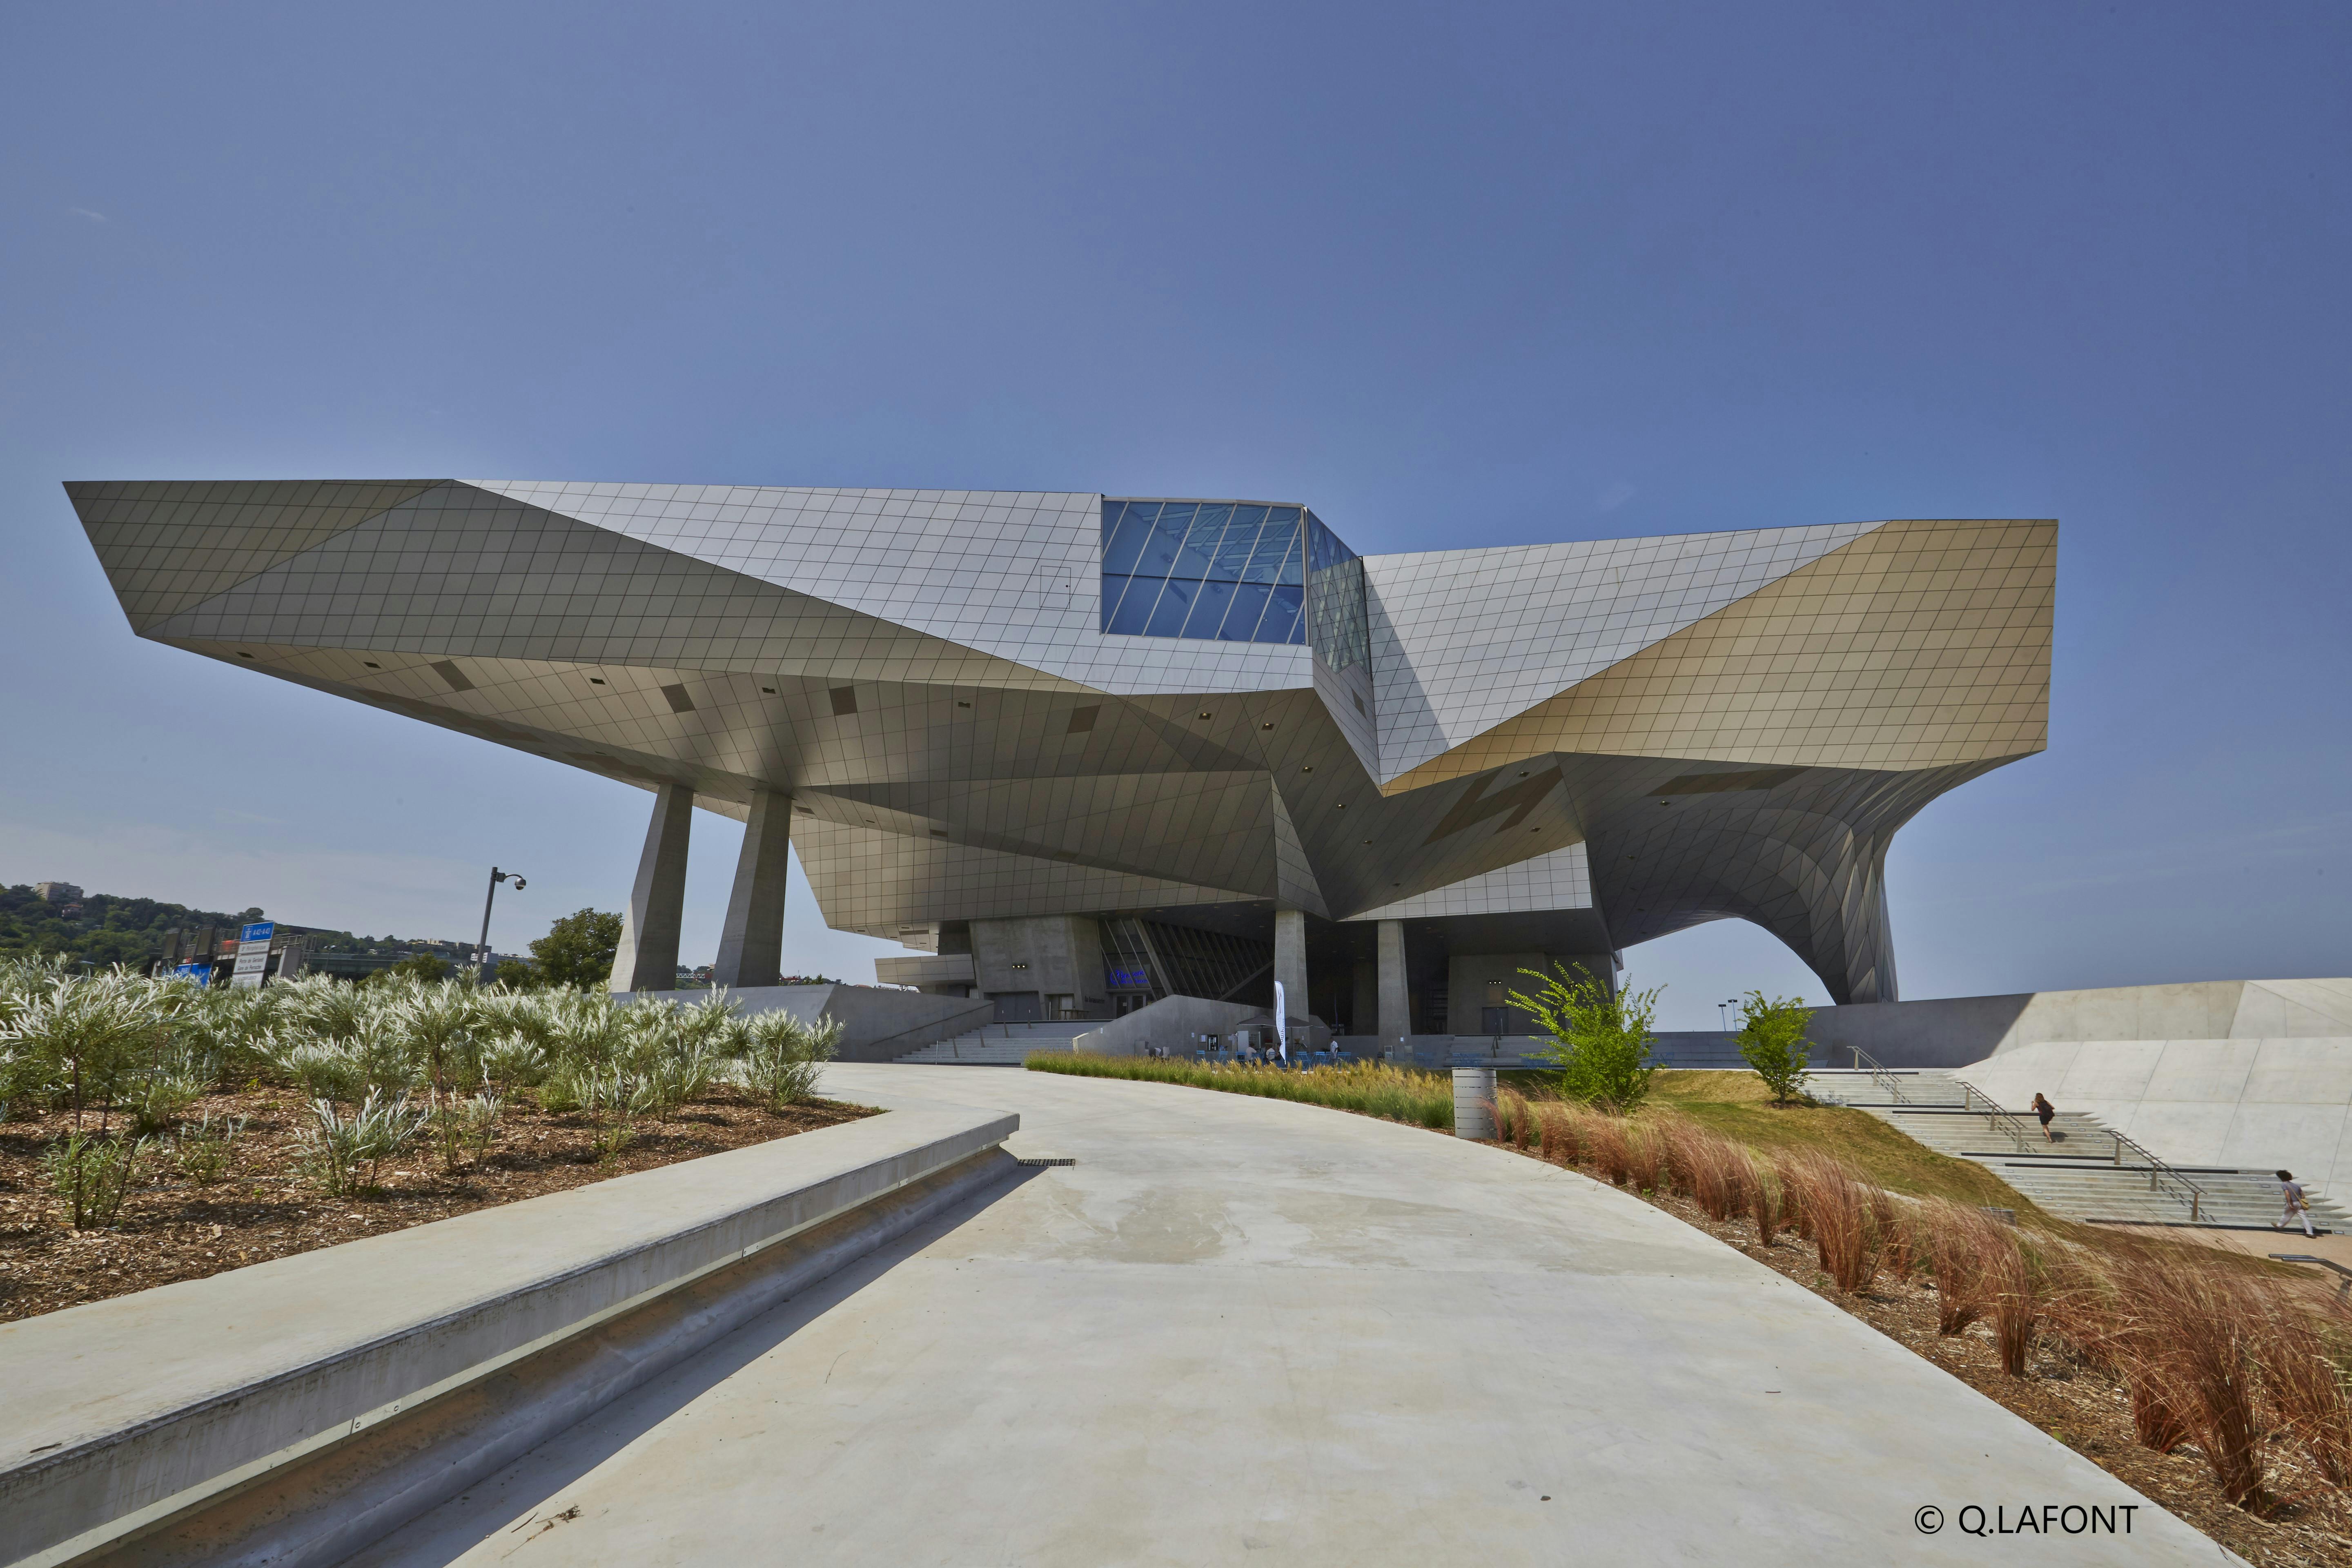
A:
<point x="751" y="943"/>
<point x="1396" y="1007"/>
<point x="648" y="957"/>
<point x="1290" y="959"/>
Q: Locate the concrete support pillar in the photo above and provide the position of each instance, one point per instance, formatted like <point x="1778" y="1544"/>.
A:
<point x="751" y="943"/>
<point x="1290" y="959"/>
<point x="1396" y="1008"/>
<point x="648" y="957"/>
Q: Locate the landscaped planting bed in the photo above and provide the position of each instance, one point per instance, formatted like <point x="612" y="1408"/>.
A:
<point x="2214" y="1384"/>
<point x="156" y="1132"/>
<point x="264" y="1207"/>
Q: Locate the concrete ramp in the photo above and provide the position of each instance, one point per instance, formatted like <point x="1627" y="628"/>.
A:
<point x="1241" y="1330"/>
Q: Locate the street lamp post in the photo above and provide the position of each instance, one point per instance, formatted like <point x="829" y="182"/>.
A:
<point x="482" y="948"/>
<point x="1723" y="1013"/>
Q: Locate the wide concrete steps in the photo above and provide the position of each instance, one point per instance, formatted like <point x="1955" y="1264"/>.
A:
<point x="2081" y="1172"/>
<point x="999" y="1045"/>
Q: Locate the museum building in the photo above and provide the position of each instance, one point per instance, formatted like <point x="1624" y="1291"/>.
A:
<point x="1078" y="753"/>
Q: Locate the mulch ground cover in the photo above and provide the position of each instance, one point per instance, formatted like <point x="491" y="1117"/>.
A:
<point x="2302" y="1522"/>
<point x="264" y="1207"/>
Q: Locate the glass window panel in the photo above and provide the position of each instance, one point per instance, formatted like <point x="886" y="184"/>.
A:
<point x="1248" y="609"/>
<point x="1200" y="540"/>
<point x="1175" y="604"/>
<point x="1294" y="566"/>
<point x="1281" y="623"/>
<point x="1277" y="542"/>
<point x="1241" y="543"/>
<point x="1166" y="546"/>
<point x="1208" y="609"/>
<point x="1124" y="539"/>
<point x="1133" y="611"/>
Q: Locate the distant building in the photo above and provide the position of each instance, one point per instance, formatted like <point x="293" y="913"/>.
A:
<point x="56" y="892"/>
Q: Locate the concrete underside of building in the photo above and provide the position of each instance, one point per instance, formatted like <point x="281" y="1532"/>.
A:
<point x="1080" y="753"/>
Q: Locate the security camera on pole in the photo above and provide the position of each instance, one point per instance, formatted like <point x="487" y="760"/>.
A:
<point x="482" y="950"/>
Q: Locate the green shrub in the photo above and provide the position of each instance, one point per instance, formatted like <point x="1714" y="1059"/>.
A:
<point x="464" y="1129"/>
<point x="783" y="1057"/>
<point x="94" y="1173"/>
<point x="205" y="1150"/>
<point x="1600" y="1038"/>
<point x="1772" y="1041"/>
<point x="342" y="1155"/>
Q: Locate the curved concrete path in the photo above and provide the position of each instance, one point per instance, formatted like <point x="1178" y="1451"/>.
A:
<point x="1243" y="1331"/>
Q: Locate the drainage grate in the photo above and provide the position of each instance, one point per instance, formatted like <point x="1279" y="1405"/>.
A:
<point x="1044" y="1160"/>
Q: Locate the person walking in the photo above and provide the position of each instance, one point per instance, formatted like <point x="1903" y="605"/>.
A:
<point x="2297" y="1205"/>
<point x="2046" y="1111"/>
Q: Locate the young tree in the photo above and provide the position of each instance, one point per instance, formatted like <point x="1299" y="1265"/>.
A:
<point x="578" y="950"/>
<point x="1773" y="1039"/>
<point x="1601" y="1040"/>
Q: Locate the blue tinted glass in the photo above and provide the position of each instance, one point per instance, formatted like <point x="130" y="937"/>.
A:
<point x="1208" y="609"/>
<point x="1175" y="603"/>
<point x="1124" y="538"/>
<point x="1201" y="540"/>
<point x="1281" y="623"/>
<point x="1249" y="605"/>
<point x="1241" y="542"/>
<point x="1133" y="609"/>
<point x="1166" y="545"/>
<point x="1276" y="543"/>
<point x="1337" y="625"/>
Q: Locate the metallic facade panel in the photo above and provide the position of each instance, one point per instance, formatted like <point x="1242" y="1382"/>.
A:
<point x="1633" y="735"/>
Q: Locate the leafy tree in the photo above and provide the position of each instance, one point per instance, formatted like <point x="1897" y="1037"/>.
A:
<point x="1601" y="1040"/>
<point x="1773" y="1039"/>
<point x="578" y="950"/>
<point x="430" y="968"/>
<point x="516" y="975"/>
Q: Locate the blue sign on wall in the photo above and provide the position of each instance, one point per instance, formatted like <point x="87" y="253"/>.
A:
<point x="1138" y="979"/>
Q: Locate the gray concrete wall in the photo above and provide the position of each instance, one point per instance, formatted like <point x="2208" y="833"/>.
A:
<point x="2246" y="1103"/>
<point x="879" y="1023"/>
<point x="1054" y="955"/>
<point x="1954" y="1031"/>
<point x="1171" y="1022"/>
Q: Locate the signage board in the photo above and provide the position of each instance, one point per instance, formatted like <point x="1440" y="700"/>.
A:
<point x="252" y="955"/>
<point x="202" y="974"/>
<point x="1135" y="979"/>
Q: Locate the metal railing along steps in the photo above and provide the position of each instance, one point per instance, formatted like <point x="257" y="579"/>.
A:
<point x="2088" y="1172"/>
<point x="1000" y="1045"/>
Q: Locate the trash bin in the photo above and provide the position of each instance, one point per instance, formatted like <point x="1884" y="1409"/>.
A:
<point x="1474" y="1102"/>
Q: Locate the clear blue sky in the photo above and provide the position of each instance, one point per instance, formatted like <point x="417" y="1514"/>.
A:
<point x="1452" y="275"/>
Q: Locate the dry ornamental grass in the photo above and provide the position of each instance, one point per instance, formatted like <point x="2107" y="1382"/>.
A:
<point x="2147" y="1357"/>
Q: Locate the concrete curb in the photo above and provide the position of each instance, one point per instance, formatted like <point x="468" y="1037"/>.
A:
<point x="151" y="1432"/>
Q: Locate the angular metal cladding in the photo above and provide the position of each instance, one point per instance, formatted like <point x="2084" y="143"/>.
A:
<point x="951" y="688"/>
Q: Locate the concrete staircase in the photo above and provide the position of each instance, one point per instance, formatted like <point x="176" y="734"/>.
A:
<point x="999" y="1045"/>
<point x="2086" y="1174"/>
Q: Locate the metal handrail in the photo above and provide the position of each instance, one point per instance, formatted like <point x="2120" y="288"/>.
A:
<point x="1864" y="1061"/>
<point x="2161" y="1177"/>
<point x="2156" y="1167"/>
<point x="1996" y="1119"/>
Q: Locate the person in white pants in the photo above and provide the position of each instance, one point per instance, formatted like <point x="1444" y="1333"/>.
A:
<point x="2297" y="1205"/>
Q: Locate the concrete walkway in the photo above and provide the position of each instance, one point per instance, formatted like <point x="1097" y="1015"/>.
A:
<point x="1242" y="1331"/>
